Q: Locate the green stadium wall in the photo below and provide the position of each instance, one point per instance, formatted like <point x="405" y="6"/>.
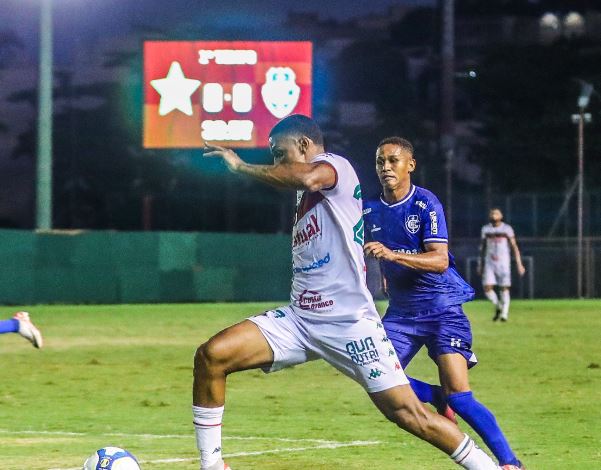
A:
<point x="134" y="267"/>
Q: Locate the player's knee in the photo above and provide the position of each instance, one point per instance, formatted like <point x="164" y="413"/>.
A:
<point x="209" y="357"/>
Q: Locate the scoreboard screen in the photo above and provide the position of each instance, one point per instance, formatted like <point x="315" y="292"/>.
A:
<point x="226" y="93"/>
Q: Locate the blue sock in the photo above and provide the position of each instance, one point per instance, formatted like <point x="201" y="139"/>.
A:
<point x="428" y="393"/>
<point x="9" y="326"/>
<point x="485" y="424"/>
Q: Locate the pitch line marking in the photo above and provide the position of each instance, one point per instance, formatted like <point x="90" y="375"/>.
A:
<point x="328" y="445"/>
<point x="164" y="436"/>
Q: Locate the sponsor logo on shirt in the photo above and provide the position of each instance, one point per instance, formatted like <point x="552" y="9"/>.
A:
<point x="421" y="204"/>
<point x="412" y="223"/>
<point x="367" y="211"/>
<point x="312" y="300"/>
<point x="407" y="251"/>
<point x="375" y="228"/>
<point x="315" y="265"/>
<point x="279" y="314"/>
<point x="306" y="233"/>
<point x="376" y="373"/>
<point x="433" y="223"/>
<point x="363" y="352"/>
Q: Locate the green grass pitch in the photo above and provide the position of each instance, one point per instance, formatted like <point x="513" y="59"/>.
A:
<point x="121" y="375"/>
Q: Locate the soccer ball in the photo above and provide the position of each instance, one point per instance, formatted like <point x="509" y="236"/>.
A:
<point x="111" y="458"/>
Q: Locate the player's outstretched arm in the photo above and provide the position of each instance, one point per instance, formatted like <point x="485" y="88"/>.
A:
<point x="292" y="175"/>
<point x="435" y="259"/>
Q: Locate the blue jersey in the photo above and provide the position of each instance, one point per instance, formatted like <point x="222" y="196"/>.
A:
<point x="406" y="227"/>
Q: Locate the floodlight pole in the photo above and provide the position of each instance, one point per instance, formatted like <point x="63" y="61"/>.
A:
<point x="44" y="154"/>
<point x="580" y="249"/>
<point x="581" y="119"/>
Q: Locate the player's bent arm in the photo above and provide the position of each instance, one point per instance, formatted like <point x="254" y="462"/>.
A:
<point x="435" y="259"/>
<point x="294" y="175"/>
<point x="481" y="256"/>
<point x="517" y="255"/>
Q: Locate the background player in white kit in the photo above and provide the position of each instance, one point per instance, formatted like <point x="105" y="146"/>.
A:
<point x="331" y="314"/>
<point x="495" y="262"/>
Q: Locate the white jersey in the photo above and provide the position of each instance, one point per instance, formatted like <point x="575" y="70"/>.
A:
<point x="329" y="280"/>
<point x="497" y="243"/>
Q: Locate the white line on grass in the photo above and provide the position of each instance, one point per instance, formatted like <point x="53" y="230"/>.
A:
<point x="320" y="443"/>
<point x="328" y="445"/>
<point x="162" y="436"/>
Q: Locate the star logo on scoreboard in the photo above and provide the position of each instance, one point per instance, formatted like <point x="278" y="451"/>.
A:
<point x="176" y="91"/>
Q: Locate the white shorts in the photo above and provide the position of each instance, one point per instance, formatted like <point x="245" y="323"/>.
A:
<point x="359" y="349"/>
<point x="496" y="274"/>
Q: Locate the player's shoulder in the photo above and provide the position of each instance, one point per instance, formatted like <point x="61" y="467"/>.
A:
<point x="338" y="162"/>
<point x="425" y="198"/>
<point x="372" y="205"/>
<point x="328" y="157"/>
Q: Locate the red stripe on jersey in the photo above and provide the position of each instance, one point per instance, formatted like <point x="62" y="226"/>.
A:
<point x="308" y="201"/>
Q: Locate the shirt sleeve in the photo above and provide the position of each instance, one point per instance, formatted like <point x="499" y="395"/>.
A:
<point x="510" y="233"/>
<point x="435" y="227"/>
<point x="483" y="233"/>
<point x="326" y="159"/>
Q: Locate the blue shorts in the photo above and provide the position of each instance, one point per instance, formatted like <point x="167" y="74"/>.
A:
<point x="443" y="331"/>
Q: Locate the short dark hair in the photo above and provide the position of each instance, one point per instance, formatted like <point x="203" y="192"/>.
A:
<point x="299" y="125"/>
<point x="394" y="140"/>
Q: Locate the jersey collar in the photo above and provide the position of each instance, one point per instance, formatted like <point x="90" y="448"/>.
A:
<point x="402" y="201"/>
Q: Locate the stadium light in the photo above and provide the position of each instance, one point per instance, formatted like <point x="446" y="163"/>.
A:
<point x="581" y="118"/>
<point x="44" y="152"/>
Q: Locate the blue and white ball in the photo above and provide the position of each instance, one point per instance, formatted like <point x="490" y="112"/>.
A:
<point x="111" y="458"/>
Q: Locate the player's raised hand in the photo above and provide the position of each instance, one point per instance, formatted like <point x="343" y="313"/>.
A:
<point x="231" y="158"/>
<point x="378" y="251"/>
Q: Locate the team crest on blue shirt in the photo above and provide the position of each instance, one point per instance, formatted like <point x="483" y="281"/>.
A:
<point x="412" y="223"/>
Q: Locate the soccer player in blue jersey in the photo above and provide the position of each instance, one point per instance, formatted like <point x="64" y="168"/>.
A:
<point x="406" y="231"/>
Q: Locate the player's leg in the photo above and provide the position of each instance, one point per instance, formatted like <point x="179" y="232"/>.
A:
<point x="505" y="301"/>
<point x="491" y="294"/>
<point x="270" y="341"/>
<point x="238" y="347"/>
<point x="434" y="395"/>
<point x="9" y="326"/>
<point x="25" y="328"/>
<point x="451" y="350"/>
<point x="504" y="283"/>
<point x="406" y="346"/>
<point x="454" y="379"/>
<point x="489" y="282"/>
<point x="362" y="351"/>
<point x="401" y="406"/>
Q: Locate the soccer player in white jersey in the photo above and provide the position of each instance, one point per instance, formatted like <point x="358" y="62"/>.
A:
<point x="494" y="264"/>
<point x="331" y="314"/>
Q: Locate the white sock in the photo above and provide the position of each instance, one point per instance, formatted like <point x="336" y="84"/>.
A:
<point x="505" y="299"/>
<point x="492" y="296"/>
<point x="207" y="426"/>
<point x="470" y="456"/>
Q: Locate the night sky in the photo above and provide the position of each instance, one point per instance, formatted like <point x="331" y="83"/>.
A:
<point x="81" y="21"/>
